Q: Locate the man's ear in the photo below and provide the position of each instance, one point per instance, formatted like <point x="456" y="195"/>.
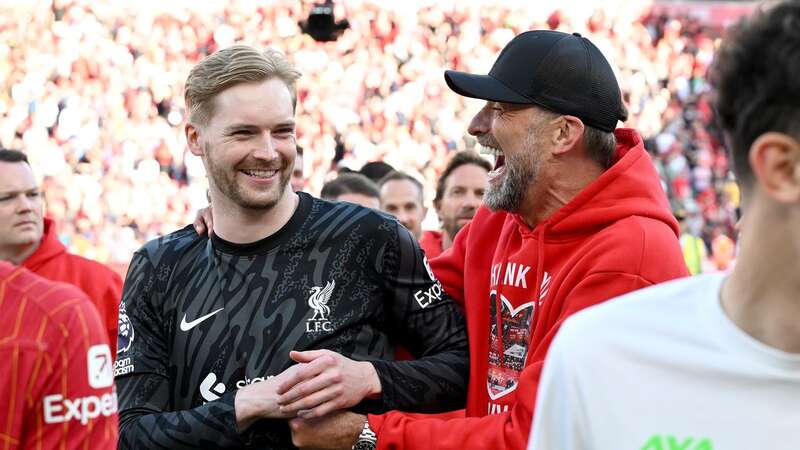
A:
<point x="567" y="133"/>
<point x="775" y="160"/>
<point x="192" y="132"/>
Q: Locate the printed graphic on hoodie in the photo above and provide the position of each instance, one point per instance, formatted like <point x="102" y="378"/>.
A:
<point x="508" y="350"/>
<point x="507" y="362"/>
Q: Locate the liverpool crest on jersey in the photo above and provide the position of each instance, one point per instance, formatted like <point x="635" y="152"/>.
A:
<point x="318" y="301"/>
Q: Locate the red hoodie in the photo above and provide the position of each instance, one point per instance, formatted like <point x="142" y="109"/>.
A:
<point x="102" y="285"/>
<point x="431" y="243"/>
<point x="616" y="236"/>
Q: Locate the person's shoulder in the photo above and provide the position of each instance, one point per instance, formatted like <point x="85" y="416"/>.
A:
<point x="44" y="299"/>
<point x="96" y="270"/>
<point x="341" y="212"/>
<point x="174" y="243"/>
<point x="658" y="310"/>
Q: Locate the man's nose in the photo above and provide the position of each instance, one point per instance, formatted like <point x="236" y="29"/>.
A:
<point x="481" y="123"/>
<point x="265" y="148"/>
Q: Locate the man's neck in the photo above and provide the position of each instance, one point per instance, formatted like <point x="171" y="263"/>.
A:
<point x="243" y="226"/>
<point x="447" y="241"/>
<point x="18" y="254"/>
<point x="566" y="181"/>
<point x="761" y="294"/>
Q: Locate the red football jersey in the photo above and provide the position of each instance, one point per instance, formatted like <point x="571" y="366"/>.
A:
<point x="57" y="388"/>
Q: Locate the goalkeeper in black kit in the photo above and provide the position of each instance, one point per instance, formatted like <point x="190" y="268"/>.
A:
<point x="224" y="337"/>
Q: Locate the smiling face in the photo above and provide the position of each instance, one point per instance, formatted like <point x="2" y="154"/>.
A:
<point x="513" y="134"/>
<point x="248" y="145"/>
<point x="21" y="207"/>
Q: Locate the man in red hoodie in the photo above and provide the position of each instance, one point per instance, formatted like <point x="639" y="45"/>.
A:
<point x="29" y="239"/>
<point x="574" y="215"/>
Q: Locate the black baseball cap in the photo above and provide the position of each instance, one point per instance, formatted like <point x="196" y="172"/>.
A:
<point x="562" y="72"/>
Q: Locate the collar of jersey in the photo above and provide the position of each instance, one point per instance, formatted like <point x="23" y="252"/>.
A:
<point x="272" y="241"/>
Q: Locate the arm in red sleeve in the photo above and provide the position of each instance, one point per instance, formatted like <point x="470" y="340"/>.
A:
<point x="508" y="430"/>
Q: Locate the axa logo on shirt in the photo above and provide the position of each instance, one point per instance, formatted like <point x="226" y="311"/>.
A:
<point x="318" y="301"/>
<point x="670" y="442"/>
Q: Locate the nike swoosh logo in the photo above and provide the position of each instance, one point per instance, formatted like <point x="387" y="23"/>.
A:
<point x="186" y="326"/>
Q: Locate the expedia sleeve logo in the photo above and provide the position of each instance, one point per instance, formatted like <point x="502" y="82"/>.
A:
<point x="428" y="268"/>
<point x="125" y="333"/>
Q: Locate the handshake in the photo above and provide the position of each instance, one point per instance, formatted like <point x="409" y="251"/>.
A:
<point x="311" y="394"/>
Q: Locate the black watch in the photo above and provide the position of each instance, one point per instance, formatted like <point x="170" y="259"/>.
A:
<point x="367" y="440"/>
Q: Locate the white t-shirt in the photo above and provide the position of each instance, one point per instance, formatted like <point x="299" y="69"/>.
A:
<point x="664" y="368"/>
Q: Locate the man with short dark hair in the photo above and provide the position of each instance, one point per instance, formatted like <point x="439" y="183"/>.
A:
<point x="574" y="215"/>
<point x="709" y="362"/>
<point x="352" y="187"/>
<point x="459" y="192"/>
<point x="29" y="239"/>
<point x="403" y="197"/>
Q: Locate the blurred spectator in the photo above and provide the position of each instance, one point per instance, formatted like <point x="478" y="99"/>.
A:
<point x="353" y="188"/>
<point x="459" y="192"/>
<point x="29" y="239"/>
<point x="376" y="170"/>
<point x="693" y="247"/>
<point x="94" y="90"/>
<point x="298" y="181"/>
<point x="402" y="197"/>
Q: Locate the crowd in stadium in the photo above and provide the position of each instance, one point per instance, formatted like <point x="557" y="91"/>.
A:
<point x="93" y="94"/>
<point x="318" y="253"/>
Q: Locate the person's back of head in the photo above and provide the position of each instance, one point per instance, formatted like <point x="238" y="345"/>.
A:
<point x="352" y="187"/>
<point x="757" y="102"/>
<point x="376" y="170"/>
<point x="756" y="83"/>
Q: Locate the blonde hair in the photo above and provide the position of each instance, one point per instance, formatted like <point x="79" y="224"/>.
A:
<point x="231" y="66"/>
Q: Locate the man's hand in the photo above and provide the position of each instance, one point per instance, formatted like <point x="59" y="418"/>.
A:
<point x="260" y="400"/>
<point x="324" y="382"/>
<point x="203" y="221"/>
<point x="338" y="431"/>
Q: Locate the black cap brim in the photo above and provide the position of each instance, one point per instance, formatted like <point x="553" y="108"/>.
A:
<point x="484" y="87"/>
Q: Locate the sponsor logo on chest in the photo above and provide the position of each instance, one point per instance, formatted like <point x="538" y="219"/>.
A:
<point x="670" y="442"/>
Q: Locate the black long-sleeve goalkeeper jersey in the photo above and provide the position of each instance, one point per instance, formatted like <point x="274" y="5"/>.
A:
<point x="201" y="318"/>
